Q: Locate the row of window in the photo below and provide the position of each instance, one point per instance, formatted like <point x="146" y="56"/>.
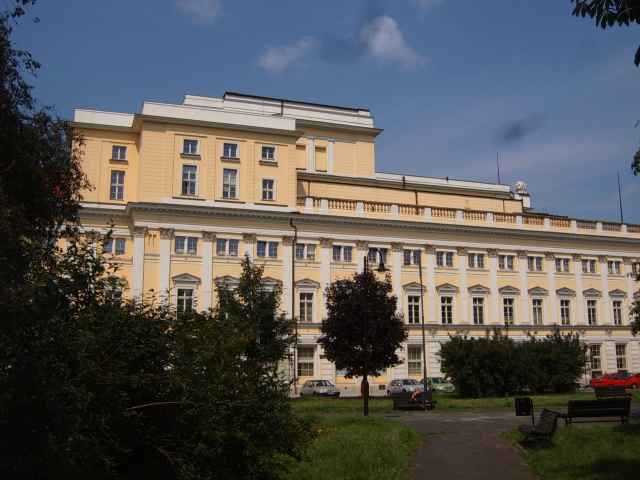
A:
<point x="224" y="247"/>
<point x="508" y="310"/>
<point x="595" y="358"/>
<point x="230" y="150"/>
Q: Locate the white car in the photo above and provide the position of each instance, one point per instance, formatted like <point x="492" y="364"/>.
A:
<point x="321" y="388"/>
<point x="440" y="384"/>
<point x="404" y="385"/>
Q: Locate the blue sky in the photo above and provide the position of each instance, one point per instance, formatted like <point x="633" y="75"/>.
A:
<point x="450" y="82"/>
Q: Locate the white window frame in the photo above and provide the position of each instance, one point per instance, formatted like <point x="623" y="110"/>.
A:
<point x="185" y="250"/>
<point x="119" y="153"/>
<point x="308" y="360"/>
<point x="118" y="184"/>
<point x="309" y="311"/>
<point x="190" y="141"/>
<point x="503" y="262"/>
<point x="595" y="358"/>
<point x="621" y="358"/>
<point x="189" y="181"/>
<point x="451" y="306"/>
<point x="226" y="250"/>
<point x="380" y="252"/>
<point x="309" y="251"/>
<point x="535" y="261"/>
<point x="589" y="266"/>
<point x="226" y="195"/>
<point x="268" y="245"/>
<point x="414" y="359"/>
<point x="617" y="267"/>
<point x="224" y="150"/>
<point x="267" y="159"/>
<point x="412" y="255"/>
<point x="564" y="263"/>
<point x="476" y="260"/>
<point x="589" y="311"/>
<point x="341" y="257"/>
<point x="273" y="189"/>
<point x="413" y="308"/>
<point x="445" y="255"/>
<point x="512" y="307"/>
<point x="617" y="306"/>
<point x="537" y="308"/>
<point x="478" y="306"/>
<point x="570" y="311"/>
<point x="183" y="298"/>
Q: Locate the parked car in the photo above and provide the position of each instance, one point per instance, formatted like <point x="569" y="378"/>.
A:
<point x="404" y="385"/>
<point x="440" y="384"/>
<point x="321" y="388"/>
<point x="623" y="379"/>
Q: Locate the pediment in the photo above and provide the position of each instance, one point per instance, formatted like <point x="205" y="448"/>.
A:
<point x="185" y="278"/>
<point x="414" y="287"/>
<point x="509" y="290"/>
<point x="618" y="293"/>
<point x="227" y="281"/>
<point x="538" y="291"/>
<point x="479" y="290"/>
<point x="447" y="288"/>
<point x="565" y="292"/>
<point x="307" y="283"/>
<point x="591" y="292"/>
<point x="270" y="283"/>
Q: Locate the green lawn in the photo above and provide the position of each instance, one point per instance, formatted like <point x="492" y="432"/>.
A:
<point x="351" y="447"/>
<point x="588" y="452"/>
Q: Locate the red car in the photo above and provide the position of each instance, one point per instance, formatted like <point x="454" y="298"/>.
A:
<point x="625" y="380"/>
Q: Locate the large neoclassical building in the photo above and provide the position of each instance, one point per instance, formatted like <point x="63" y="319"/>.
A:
<point x="191" y="188"/>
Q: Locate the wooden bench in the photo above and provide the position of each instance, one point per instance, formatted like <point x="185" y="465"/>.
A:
<point x="611" y="392"/>
<point x="543" y="430"/>
<point x="413" y="401"/>
<point x="600" y="408"/>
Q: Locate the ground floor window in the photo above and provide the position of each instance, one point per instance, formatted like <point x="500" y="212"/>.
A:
<point x="621" y="356"/>
<point x="305" y="361"/>
<point x="594" y="360"/>
<point x="414" y="359"/>
<point x="184" y="300"/>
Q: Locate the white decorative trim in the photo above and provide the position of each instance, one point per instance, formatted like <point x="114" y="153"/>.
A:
<point x="538" y="292"/>
<point x="185" y="278"/>
<point x="565" y="292"/>
<point x="509" y="290"/>
<point x="592" y="292"/>
<point x="446" y="288"/>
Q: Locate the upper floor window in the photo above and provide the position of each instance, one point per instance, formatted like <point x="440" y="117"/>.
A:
<point x="507" y="308"/>
<point x="118" y="152"/>
<point x="412" y="257"/>
<point x="478" y="310"/>
<point x="305" y="251"/>
<point x="537" y="311"/>
<point x="306" y="307"/>
<point x="117" y="185"/>
<point x="617" y="312"/>
<point x="115" y="246"/>
<point x="268" y="189"/>
<point x="267" y="249"/>
<point x="184" y="300"/>
<point x="229" y="183"/>
<point x="534" y="263"/>
<point x="476" y="260"/>
<point x="342" y="253"/>
<point x="227" y="247"/>
<point x="592" y="312"/>
<point x="446" y="310"/>
<point x="268" y="153"/>
<point x="562" y="265"/>
<point x="413" y="309"/>
<point x="615" y="267"/>
<point x="444" y="259"/>
<point x="588" y="265"/>
<point x="565" y="311"/>
<point x="230" y="150"/>
<point x="189" y="179"/>
<point x="505" y="262"/>
<point x="190" y="147"/>
<point x="186" y="245"/>
<point x="377" y="255"/>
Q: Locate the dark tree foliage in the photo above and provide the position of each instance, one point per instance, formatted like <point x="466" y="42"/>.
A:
<point x="498" y="366"/>
<point x="362" y="332"/>
<point x="609" y="13"/>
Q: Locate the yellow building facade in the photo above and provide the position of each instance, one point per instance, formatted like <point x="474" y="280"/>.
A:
<point x="191" y="188"/>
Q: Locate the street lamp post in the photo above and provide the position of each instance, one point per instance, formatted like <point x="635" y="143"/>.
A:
<point x="424" y="341"/>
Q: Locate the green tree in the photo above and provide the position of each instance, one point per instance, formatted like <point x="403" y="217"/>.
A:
<point x="609" y="13"/>
<point x="362" y="332"/>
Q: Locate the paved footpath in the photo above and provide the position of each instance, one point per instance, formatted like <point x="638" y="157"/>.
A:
<point x="466" y="445"/>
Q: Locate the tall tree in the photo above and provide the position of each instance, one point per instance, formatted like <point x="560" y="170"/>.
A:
<point x="609" y="13"/>
<point x="362" y="332"/>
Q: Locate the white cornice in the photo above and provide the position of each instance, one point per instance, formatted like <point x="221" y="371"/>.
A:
<point x="97" y="117"/>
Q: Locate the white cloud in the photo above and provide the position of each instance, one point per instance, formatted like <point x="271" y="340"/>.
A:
<point x="383" y="39"/>
<point x="278" y="59"/>
<point x="202" y="11"/>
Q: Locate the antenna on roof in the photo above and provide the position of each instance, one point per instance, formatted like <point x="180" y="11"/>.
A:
<point x="498" y="166"/>
<point x="620" y="199"/>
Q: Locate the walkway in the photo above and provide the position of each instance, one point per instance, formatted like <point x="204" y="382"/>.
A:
<point x="466" y="445"/>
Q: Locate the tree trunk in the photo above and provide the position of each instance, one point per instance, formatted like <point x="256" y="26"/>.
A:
<point x="365" y="394"/>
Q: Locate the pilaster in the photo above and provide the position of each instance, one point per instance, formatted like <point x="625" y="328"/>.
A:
<point x="462" y="310"/>
<point x="494" y="315"/>
<point x="249" y="240"/>
<point x="396" y="275"/>
<point x="430" y="282"/>
<point x="325" y="274"/>
<point x="208" y="240"/>
<point x="287" y="280"/>
<point x="166" y="235"/>
<point x="362" y="248"/>
<point x="552" y="313"/>
<point x="605" y="310"/>
<point x="137" y="277"/>
<point x="523" y="270"/>
<point x="577" y="271"/>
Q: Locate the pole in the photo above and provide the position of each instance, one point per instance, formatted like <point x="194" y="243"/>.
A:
<point x="424" y="342"/>
<point x="364" y="385"/>
<point x="293" y="306"/>
<point x="620" y="199"/>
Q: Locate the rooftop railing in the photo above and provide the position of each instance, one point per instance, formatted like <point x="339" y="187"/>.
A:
<point x="423" y="213"/>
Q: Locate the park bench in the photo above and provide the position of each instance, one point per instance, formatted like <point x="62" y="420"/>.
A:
<point x="543" y="430"/>
<point x="413" y="401"/>
<point x="611" y="392"/>
<point x="600" y="408"/>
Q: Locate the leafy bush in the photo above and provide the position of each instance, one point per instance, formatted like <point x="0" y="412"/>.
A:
<point x="497" y="366"/>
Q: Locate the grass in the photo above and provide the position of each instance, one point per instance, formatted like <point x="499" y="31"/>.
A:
<point x="587" y="452"/>
<point x="350" y="447"/>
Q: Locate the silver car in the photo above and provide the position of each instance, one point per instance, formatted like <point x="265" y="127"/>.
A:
<point x="321" y="388"/>
<point x="440" y="384"/>
<point x="404" y="385"/>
